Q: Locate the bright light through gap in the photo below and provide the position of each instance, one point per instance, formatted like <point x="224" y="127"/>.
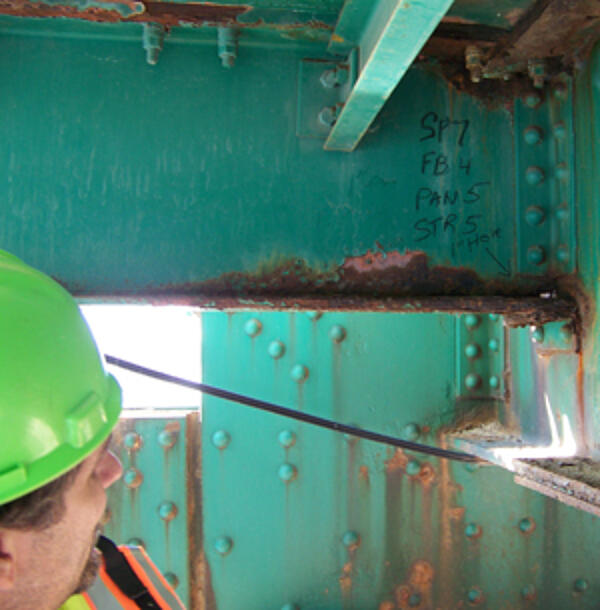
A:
<point x="167" y="339"/>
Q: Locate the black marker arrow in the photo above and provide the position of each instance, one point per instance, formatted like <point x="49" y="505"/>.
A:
<point x="505" y="271"/>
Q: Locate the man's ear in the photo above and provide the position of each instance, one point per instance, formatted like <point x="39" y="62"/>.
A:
<point x="7" y="559"/>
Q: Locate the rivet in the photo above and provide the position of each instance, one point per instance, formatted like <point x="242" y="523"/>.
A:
<point x="494" y="345"/>
<point x="414" y="600"/>
<point x="562" y="211"/>
<point x="314" y="315"/>
<point x="472" y="320"/>
<point x="536" y="255"/>
<point x="472" y="530"/>
<point x="534" y="175"/>
<point x="537" y="334"/>
<point x="221" y="439"/>
<point x="223" y="545"/>
<point x="471" y="466"/>
<point x="299" y="373"/>
<point x="472" y="381"/>
<point x="566" y="332"/>
<point x="287" y="438"/>
<point x="337" y="333"/>
<point x="561" y="171"/>
<point x="560" y="92"/>
<point x="472" y="351"/>
<point x="528" y="592"/>
<point x="533" y="135"/>
<point x="167" y="439"/>
<point x="413" y="468"/>
<point x="287" y="472"/>
<point x="136" y="542"/>
<point x="494" y="382"/>
<point x="252" y="327"/>
<point x="167" y="511"/>
<point x="559" y="130"/>
<point x="276" y="349"/>
<point x="475" y="595"/>
<point x="526" y="525"/>
<point x="351" y="539"/>
<point x="494" y="317"/>
<point x="534" y="215"/>
<point x="132" y="441"/>
<point x="290" y="607"/>
<point x="172" y="579"/>
<point x="581" y="585"/>
<point x="133" y="478"/>
<point x="411" y="432"/>
<point x="532" y="100"/>
<point x="562" y="254"/>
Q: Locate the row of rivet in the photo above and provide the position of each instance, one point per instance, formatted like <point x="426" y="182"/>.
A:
<point x="535" y="216"/>
<point x="474" y="351"/>
<point x="528" y="592"/>
<point x="132" y="441"/>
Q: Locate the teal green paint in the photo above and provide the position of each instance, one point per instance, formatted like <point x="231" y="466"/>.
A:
<point x="350" y="25"/>
<point x="125" y="174"/>
<point x="499" y="13"/>
<point x="587" y="123"/>
<point x="149" y="506"/>
<point x="392" y="37"/>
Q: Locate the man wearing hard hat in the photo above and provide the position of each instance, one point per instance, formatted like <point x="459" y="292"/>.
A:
<point x="57" y="409"/>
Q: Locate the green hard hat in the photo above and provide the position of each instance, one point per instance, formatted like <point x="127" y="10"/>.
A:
<point x="57" y="403"/>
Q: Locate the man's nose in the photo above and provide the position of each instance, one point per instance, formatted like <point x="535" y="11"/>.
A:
<point x="109" y="469"/>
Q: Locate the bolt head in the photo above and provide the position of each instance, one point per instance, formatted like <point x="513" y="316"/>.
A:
<point x="562" y="171"/>
<point x="534" y="215"/>
<point x="494" y="345"/>
<point x="351" y="539"/>
<point x="475" y="595"/>
<point x="133" y="478"/>
<point x="172" y="579"/>
<point x="533" y="135"/>
<point x="494" y="317"/>
<point x="290" y="607"/>
<point x="534" y="175"/>
<point x="337" y="333"/>
<point x="167" y="439"/>
<point x="472" y="321"/>
<point x="299" y="373"/>
<point x="276" y="349"/>
<point x="287" y="472"/>
<point x="532" y="100"/>
<point x="167" y="511"/>
<point x="559" y="130"/>
<point x="472" y="351"/>
<point x="411" y="432"/>
<point x="223" y="545"/>
<point x="581" y="585"/>
<point x="221" y="439"/>
<point x="472" y="381"/>
<point x="536" y="255"/>
<point x="314" y="315"/>
<point x="413" y="468"/>
<point x="562" y="254"/>
<point x="526" y="525"/>
<point x="494" y="382"/>
<point x="287" y="438"/>
<point x="472" y="530"/>
<point x="132" y="441"/>
<point x="252" y="327"/>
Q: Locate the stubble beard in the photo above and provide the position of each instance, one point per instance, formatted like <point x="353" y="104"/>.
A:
<point x="92" y="565"/>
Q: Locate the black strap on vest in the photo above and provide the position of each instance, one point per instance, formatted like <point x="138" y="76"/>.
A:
<point x="119" y="570"/>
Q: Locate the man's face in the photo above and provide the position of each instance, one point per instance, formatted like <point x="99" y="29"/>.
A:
<point x="62" y="558"/>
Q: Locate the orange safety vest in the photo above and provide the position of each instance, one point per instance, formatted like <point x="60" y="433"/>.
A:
<point x="107" y="591"/>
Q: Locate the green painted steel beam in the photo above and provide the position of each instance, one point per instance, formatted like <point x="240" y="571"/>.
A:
<point x="393" y="36"/>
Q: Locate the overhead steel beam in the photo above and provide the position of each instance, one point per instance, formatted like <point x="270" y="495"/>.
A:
<point x="392" y="38"/>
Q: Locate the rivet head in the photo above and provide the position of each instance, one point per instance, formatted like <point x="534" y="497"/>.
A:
<point x="533" y="135"/>
<point x="252" y="327"/>
<point x="132" y="441"/>
<point x="534" y="215"/>
<point x="414" y="600"/>
<point x="528" y="592"/>
<point x="559" y="130"/>
<point x="220" y="439"/>
<point x="411" y="432"/>
<point x="172" y="579"/>
<point x="534" y="175"/>
<point x="536" y="255"/>
<point x="494" y="382"/>
<point x="475" y="595"/>
<point x="136" y="542"/>
<point x="471" y="466"/>
<point x="167" y="439"/>
<point x="537" y="334"/>
<point x="561" y="171"/>
<point x="290" y="607"/>
<point x="472" y="351"/>
<point x="133" y="478"/>
<point x="562" y="211"/>
<point x="581" y="585"/>
<point x="167" y="511"/>
<point x="526" y="525"/>
<point x="413" y="468"/>
<point x="350" y="539"/>
<point x="472" y="381"/>
<point x="472" y="530"/>
<point x="562" y="254"/>
<point x="299" y="373"/>
<point x="494" y="317"/>
<point x="287" y="438"/>
<point x="276" y="349"/>
<point x="566" y="332"/>
<point x="337" y="333"/>
<point x="472" y="320"/>
<point x="287" y="472"/>
<point x="494" y="345"/>
<point x="223" y="545"/>
<point x="314" y="315"/>
<point x="532" y="100"/>
<point x="560" y="92"/>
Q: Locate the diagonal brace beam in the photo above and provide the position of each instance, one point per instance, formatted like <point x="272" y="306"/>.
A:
<point x="395" y="33"/>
